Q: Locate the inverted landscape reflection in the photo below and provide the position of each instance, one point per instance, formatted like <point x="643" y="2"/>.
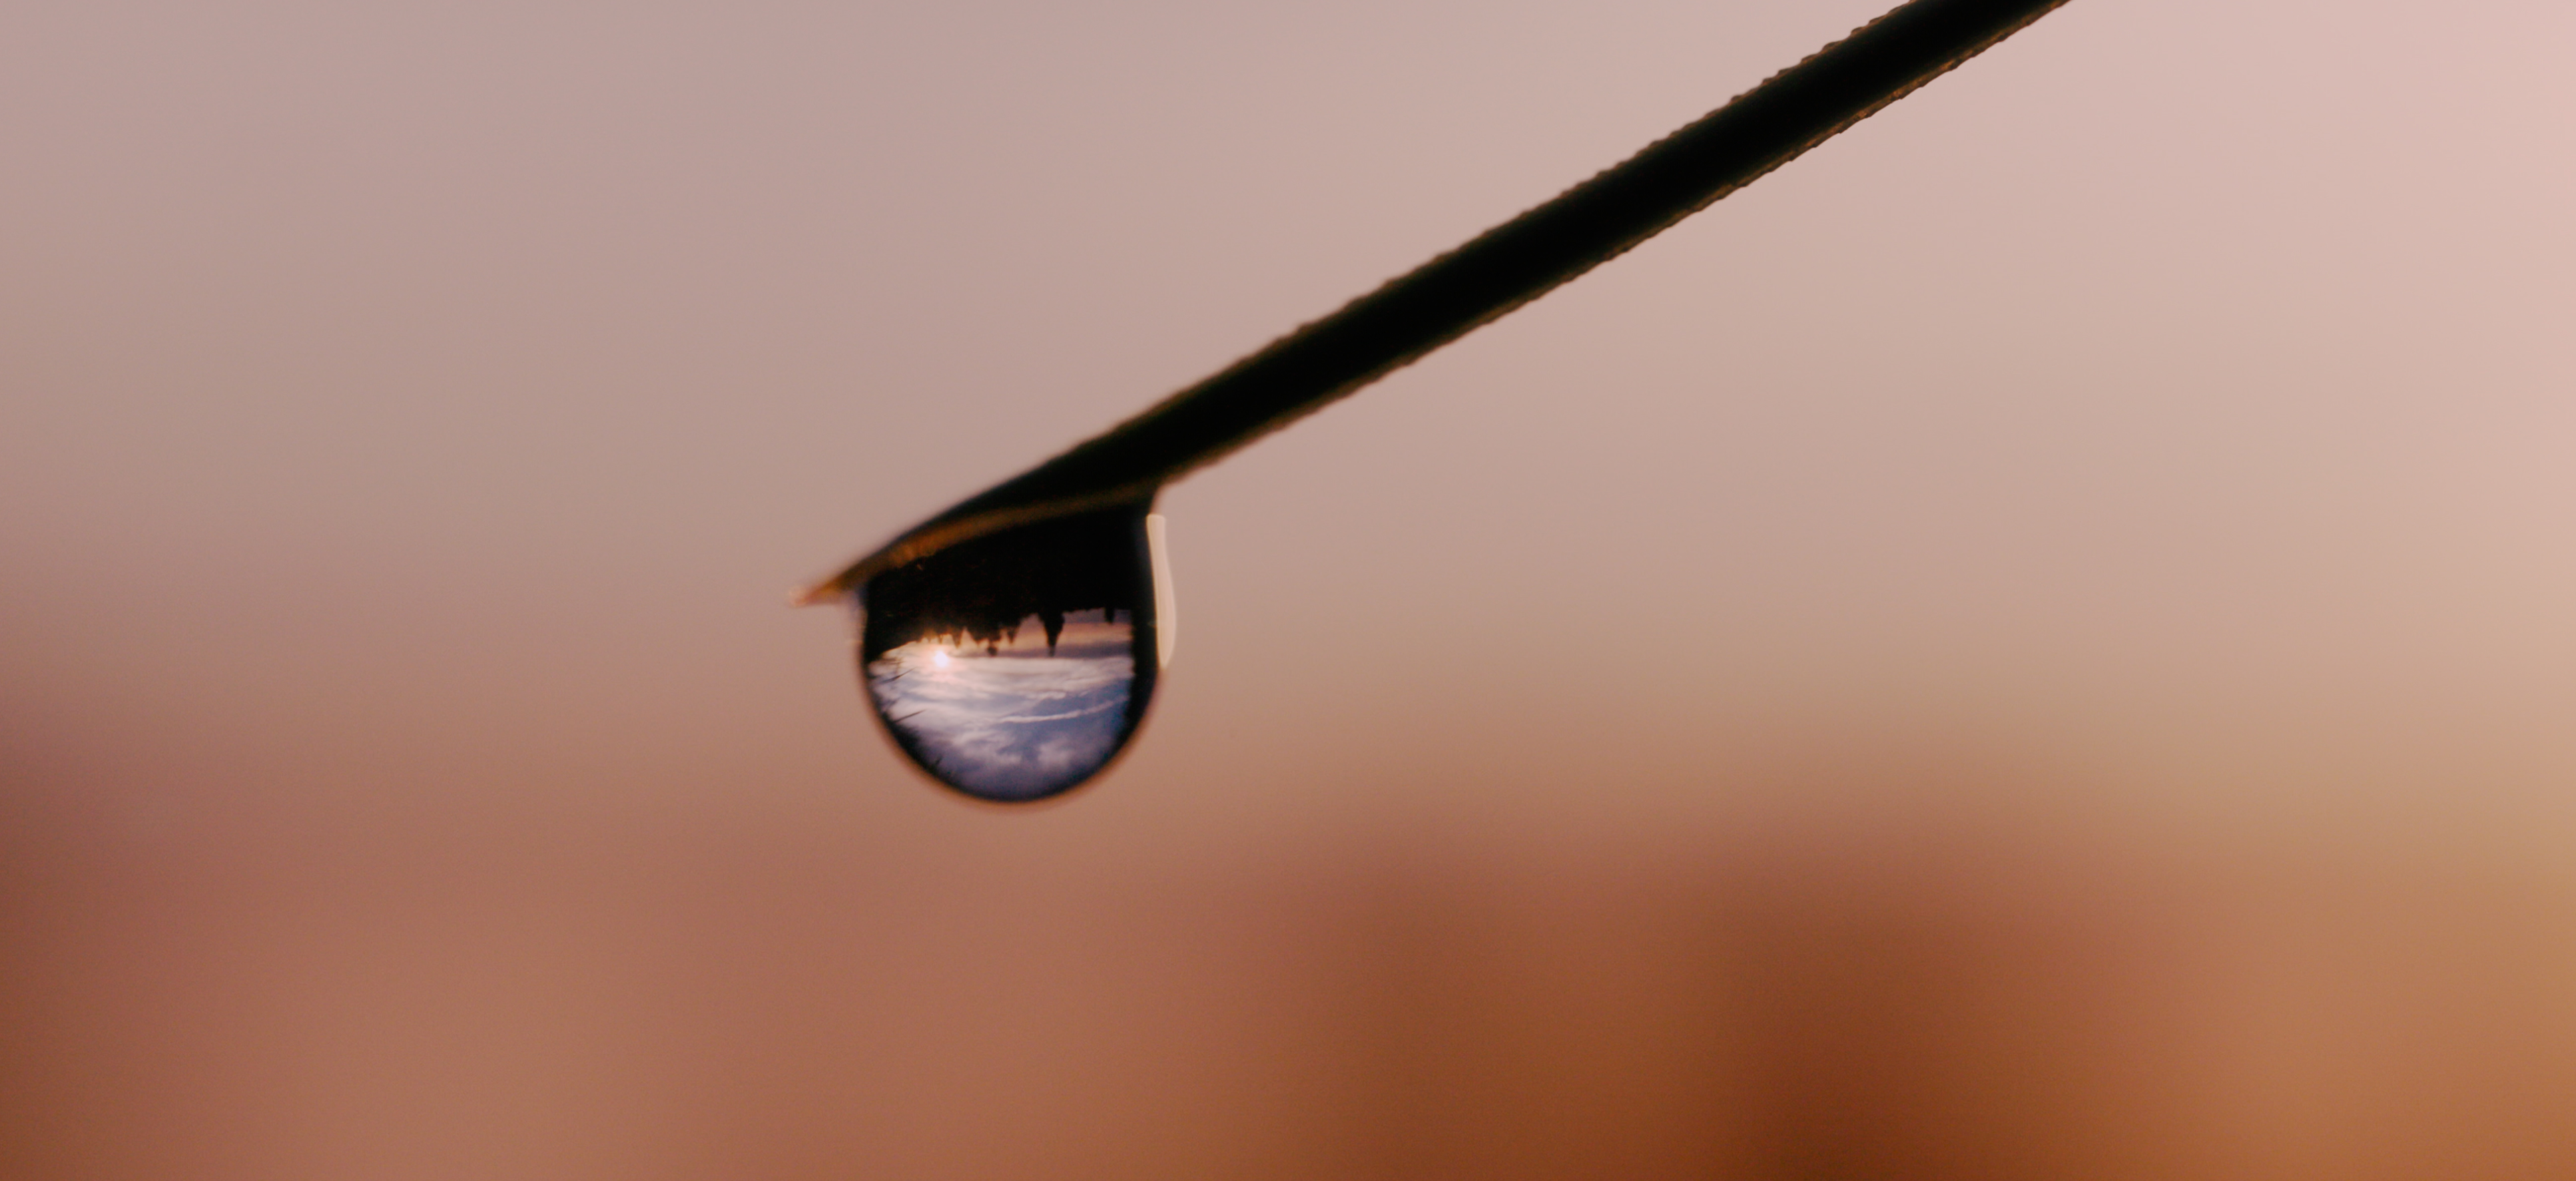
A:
<point x="1015" y="666"/>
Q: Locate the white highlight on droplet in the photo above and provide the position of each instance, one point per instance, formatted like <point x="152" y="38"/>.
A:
<point x="1167" y="611"/>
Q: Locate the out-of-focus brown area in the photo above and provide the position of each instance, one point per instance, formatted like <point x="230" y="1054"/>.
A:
<point x="1922" y="994"/>
<point x="2034" y="643"/>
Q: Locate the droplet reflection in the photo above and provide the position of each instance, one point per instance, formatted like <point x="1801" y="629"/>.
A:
<point x="1015" y="666"/>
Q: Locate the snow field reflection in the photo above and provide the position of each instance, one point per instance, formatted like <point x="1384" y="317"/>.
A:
<point x="1009" y="719"/>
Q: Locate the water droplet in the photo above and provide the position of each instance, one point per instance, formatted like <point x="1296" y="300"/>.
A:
<point x="1015" y="666"/>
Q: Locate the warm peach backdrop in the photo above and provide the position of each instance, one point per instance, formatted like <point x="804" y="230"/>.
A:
<point x="2039" y="642"/>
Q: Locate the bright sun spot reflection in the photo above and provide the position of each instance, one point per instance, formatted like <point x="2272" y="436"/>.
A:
<point x="939" y="659"/>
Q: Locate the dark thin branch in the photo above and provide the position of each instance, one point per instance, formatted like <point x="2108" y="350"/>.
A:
<point x="1498" y="271"/>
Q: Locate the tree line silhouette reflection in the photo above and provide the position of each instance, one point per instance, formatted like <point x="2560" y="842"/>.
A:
<point x="984" y="591"/>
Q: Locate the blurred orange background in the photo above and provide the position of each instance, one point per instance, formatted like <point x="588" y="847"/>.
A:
<point x="2035" y="642"/>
